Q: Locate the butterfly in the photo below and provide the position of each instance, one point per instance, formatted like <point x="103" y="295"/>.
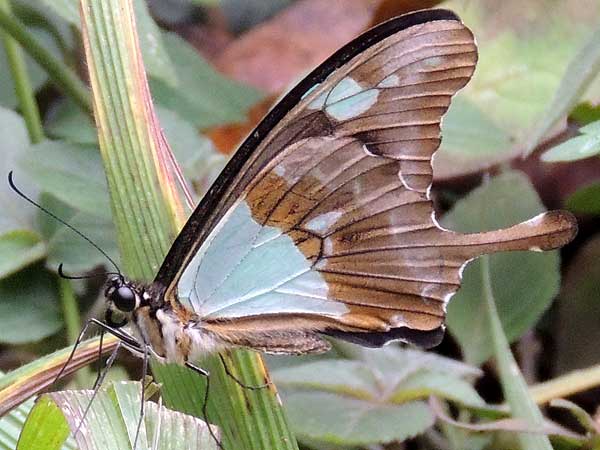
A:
<point x="322" y="223"/>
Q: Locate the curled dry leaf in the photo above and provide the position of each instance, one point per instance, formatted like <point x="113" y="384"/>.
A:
<point x="272" y="55"/>
<point x="227" y="137"/>
<point x="391" y="8"/>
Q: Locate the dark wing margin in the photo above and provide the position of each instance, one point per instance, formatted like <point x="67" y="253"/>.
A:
<point x="423" y="339"/>
<point x="231" y="179"/>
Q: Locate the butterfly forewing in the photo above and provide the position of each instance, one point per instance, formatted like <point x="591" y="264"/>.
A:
<point x="322" y="222"/>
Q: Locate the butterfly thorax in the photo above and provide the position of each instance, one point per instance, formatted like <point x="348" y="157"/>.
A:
<point x="172" y="334"/>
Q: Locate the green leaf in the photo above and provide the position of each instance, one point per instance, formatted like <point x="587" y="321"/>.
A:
<point x="523" y="283"/>
<point x="471" y="138"/>
<point x="582" y="70"/>
<point x="460" y="439"/>
<point x="579" y="147"/>
<point x="332" y="375"/>
<point x="341" y="420"/>
<point x="585" y="113"/>
<point x="359" y="380"/>
<point x="78" y="255"/>
<point x="425" y="383"/>
<point x="157" y="62"/>
<point x="156" y="59"/>
<point x="28" y="307"/>
<point x="181" y="389"/>
<point x="402" y="362"/>
<point x="586" y="200"/>
<point x="12" y="424"/>
<point x="67" y="9"/>
<point x="513" y="383"/>
<point x="579" y="311"/>
<point x="516" y="76"/>
<point x="72" y="173"/>
<point x="204" y="97"/>
<point x="112" y="421"/>
<point x="36" y="15"/>
<point x="32" y="378"/>
<point x="45" y="427"/>
<point x="37" y="76"/>
<point x="200" y="161"/>
<point x="67" y="122"/>
<point x="385" y="382"/>
<point x="398" y="375"/>
<point x="468" y="131"/>
<point x="18" y="249"/>
<point x="15" y="141"/>
<point x="196" y="154"/>
<point x="66" y="247"/>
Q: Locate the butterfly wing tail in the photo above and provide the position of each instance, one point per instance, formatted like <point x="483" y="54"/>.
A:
<point x="546" y="231"/>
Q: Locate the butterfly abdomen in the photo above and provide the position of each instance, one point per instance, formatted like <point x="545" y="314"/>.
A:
<point x="173" y="339"/>
<point x="275" y="335"/>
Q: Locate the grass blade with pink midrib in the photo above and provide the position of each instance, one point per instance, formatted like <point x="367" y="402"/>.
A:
<point x="149" y="212"/>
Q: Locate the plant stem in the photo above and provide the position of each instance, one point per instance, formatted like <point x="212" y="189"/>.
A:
<point x="566" y="385"/>
<point x="513" y="384"/>
<point x="59" y="73"/>
<point x="22" y="84"/>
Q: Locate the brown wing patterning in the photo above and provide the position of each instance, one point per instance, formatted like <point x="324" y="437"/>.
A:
<point x="346" y="174"/>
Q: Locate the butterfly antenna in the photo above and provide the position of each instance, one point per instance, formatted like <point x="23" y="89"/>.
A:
<point x="58" y="219"/>
<point x="62" y="274"/>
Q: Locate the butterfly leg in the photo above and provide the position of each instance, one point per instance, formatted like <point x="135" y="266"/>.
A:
<point x="98" y="383"/>
<point x="72" y="354"/>
<point x="158" y="425"/>
<point x="99" y="374"/>
<point x="125" y="341"/>
<point x="126" y="338"/>
<point x="142" y="403"/>
<point x="204" y="373"/>
<point x="238" y="381"/>
<point x="121" y="335"/>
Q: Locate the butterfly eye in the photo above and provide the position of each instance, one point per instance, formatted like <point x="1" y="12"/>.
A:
<point x="124" y="299"/>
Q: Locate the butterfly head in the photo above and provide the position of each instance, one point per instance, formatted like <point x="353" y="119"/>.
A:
<point x="122" y="297"/>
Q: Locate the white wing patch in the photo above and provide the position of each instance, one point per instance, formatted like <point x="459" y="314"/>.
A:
<point x="347" y="87"/>
<point x="245" y="268"/>
<point x="392" y="80"/>
<point x="346" y="100"/>
<point x="324" y="222"/>
<point x="353" y="106"/>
